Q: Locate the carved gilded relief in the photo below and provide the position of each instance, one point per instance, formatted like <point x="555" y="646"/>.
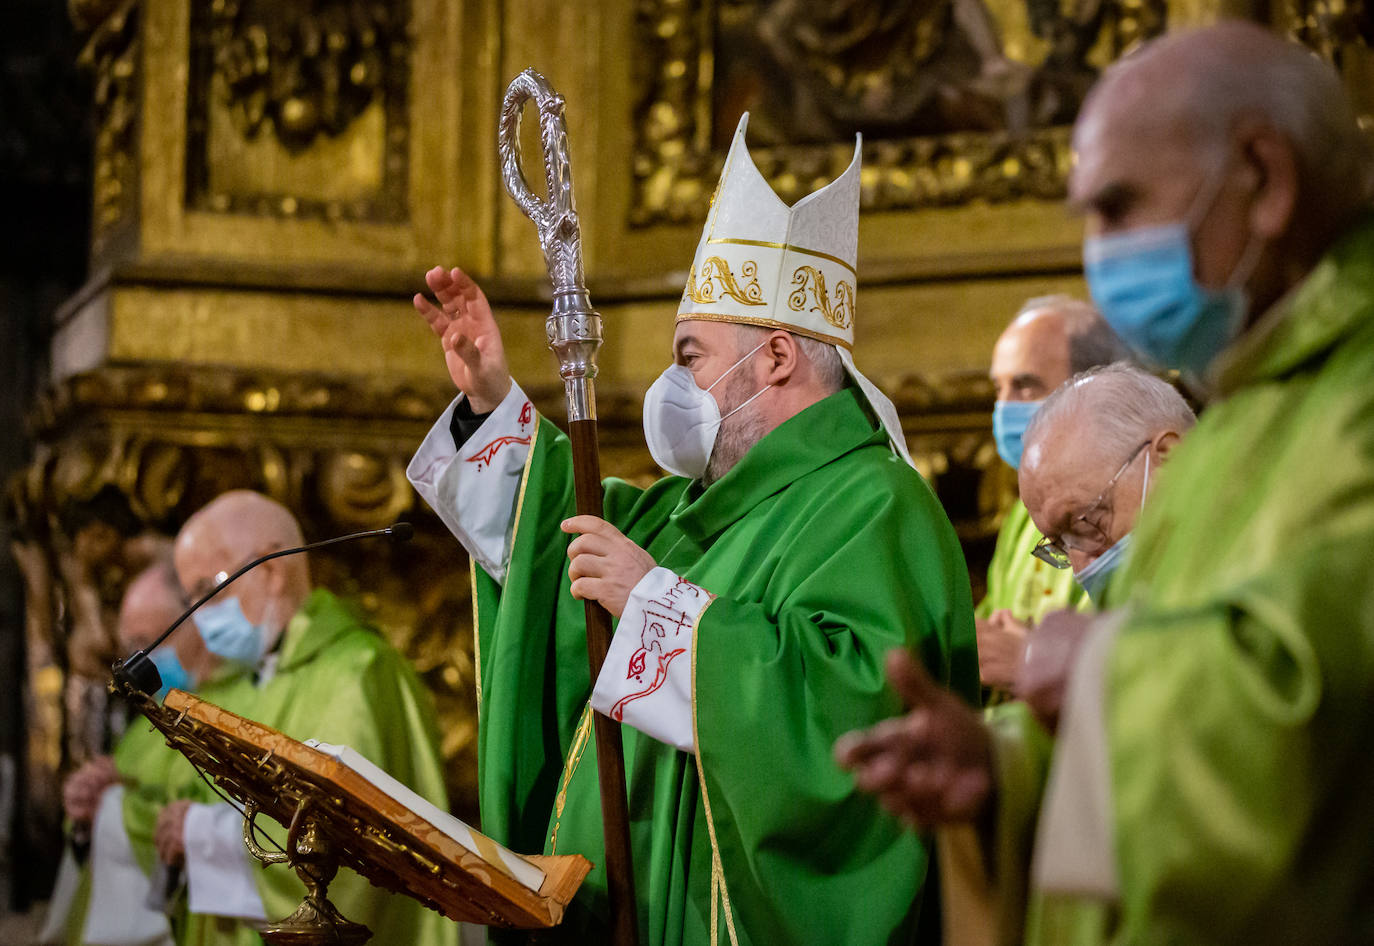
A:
<point x="299" y="109"/>
<point x="957" y="100"/>
<point x="111" y="56"/>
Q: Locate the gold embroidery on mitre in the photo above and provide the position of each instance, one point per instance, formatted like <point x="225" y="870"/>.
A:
<point x="839" y="313"/>
<point x="715" y="271"/>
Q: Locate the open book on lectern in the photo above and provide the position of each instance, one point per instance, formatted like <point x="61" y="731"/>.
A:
<point x="502" y="858"/>
<point x="363" y="819"/>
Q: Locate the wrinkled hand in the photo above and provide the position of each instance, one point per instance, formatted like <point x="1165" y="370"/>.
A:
<point x="605" y="566"/>
<point x="1048" y="659"/>
<point x="1001" y="639"/>
<point x="473" y="351"/>
<point x="169" y="836"/>
<point x="82" y="790"/>
<point x="931" y="766"/>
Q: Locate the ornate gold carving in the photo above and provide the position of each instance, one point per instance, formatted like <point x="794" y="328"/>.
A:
<point x="839" y="312"/>
<point x="111" y="54"/>
<point x="716" y="270"/>
<point x="169" y="438"/>
<point x="302" y="69"/>
<point x="1004" y="137"/>
<point x="1332" y="28"/>
<point x="290" y="74"/>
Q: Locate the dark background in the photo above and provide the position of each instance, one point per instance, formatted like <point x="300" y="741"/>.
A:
<point x="45" y="193"/>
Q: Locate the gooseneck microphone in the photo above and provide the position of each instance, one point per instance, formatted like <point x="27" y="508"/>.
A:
<point x="137" y="671"/>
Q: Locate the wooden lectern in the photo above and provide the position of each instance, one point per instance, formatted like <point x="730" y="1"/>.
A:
<point x="336" y="817"/>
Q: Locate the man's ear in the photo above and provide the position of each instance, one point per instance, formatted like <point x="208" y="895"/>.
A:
<point x="1271" y="157"/>
<point x="783" y="358"/>
<point x="1165" y="443"/>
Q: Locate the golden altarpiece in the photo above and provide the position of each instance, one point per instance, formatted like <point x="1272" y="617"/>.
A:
<point x="272" y="178"/>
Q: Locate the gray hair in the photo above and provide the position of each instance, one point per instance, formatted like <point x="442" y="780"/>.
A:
<point x="1121" y="404"/>
<point x="1091" y="340"/>
<point x="822" y="356"/>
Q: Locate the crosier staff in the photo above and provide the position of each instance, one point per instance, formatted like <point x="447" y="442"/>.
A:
<point x="574" y="331"/>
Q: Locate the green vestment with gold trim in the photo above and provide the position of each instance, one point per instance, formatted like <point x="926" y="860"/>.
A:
<point x="339" y="681"/>
<point x="824" y="551"/>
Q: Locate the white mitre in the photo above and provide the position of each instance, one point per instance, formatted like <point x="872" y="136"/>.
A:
<point x="763" y="263"/>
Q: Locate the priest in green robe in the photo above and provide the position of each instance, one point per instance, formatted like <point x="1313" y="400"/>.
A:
<point x="113" y="801"/>
<point x="1050" y="339"/>
<point x="300" y="660"/>
<point x="1209" y="779"/>
<point x="757" y="589"/>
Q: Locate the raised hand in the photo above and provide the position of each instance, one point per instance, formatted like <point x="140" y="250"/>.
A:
<point x="473" y="351"/>
<point x="931" y="766"/>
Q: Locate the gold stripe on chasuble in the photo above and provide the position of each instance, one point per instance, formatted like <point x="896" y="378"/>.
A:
<point x="579" y="745"/>
<point x="720" y="893"/>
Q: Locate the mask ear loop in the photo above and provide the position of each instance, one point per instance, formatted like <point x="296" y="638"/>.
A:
<point x="756" y="396"/>
<point x="1249" y="257"/>
<point x="1145" y="487"/>
<point x="736" y="365"/>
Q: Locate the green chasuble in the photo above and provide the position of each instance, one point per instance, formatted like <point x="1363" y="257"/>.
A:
<point x="824" y="551"/>
<point x="153" y="774"/>
<point x="1238" y="693"/>
<point x="338" y="681"/>
<point x="1020" y="582"/>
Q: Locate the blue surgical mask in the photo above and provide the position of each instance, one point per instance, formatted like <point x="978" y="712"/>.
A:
<point x="1009" y="422"/>
<point x="1143" y="283"/>
<point x="1094" y="578"/>
<point x="229" y="634"/>
<point x="174" y="675"/>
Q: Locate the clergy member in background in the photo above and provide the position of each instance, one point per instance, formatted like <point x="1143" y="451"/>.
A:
<point x="113" y="801"/>
<point x="1051" y="338"/>
<point x="1211" y="776"/>
<point x="1093" y="455"/>
<point x="301" y="661"/>
<point x="757" y="588"/>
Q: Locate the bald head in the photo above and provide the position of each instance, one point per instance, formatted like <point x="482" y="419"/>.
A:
<point x="1247" y="137"/>
<point x="1113" y="420"/>
<point x="230" y="531"/>
<point x="151" y="603"/>
<point x="1050" y="339"/>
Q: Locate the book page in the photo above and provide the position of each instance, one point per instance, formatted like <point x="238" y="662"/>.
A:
<point x="499" y="857"/>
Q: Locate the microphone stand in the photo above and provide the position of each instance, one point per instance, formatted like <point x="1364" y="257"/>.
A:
<point x="137" y="671"/>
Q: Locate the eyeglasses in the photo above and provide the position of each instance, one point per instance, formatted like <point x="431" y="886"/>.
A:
<point x="1056" y="552"/>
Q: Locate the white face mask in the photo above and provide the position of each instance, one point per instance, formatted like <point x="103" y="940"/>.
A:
<point x="681" y="420"/>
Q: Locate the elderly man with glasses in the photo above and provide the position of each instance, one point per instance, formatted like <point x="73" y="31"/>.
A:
<point x="1087" y="466"/>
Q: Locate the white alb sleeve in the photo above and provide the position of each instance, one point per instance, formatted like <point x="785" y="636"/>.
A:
<point x="219" y="875"/>
<point x="118" y="914"/>
<point x="646" y="681"/>
<point x="474" y="487"/>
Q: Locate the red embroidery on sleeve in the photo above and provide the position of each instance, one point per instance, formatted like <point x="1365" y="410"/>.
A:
<point x="662" y="630"/>
<point x="488" y="453"/>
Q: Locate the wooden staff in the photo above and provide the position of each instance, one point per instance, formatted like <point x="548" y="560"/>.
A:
<point x="574" y="331"/>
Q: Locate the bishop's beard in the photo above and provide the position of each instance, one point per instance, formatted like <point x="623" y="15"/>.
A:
<point x="738" y="433"/>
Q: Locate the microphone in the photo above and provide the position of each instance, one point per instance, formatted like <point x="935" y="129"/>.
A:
<point x="137" y="671"/>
